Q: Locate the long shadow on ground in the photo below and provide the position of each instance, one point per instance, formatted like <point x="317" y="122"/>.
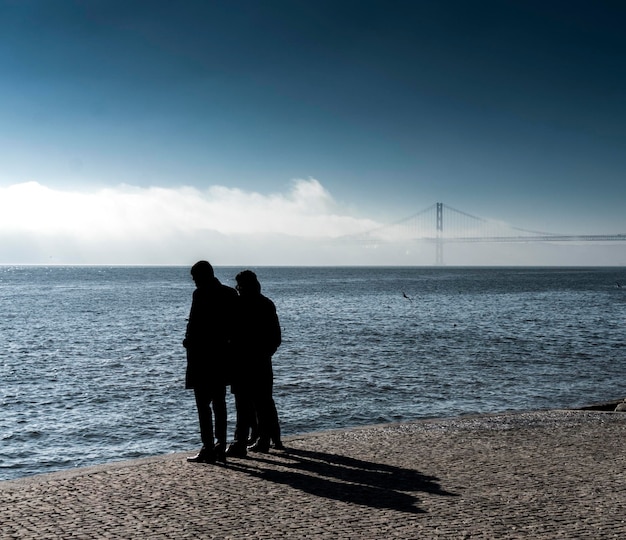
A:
<point x="343" y="478"/>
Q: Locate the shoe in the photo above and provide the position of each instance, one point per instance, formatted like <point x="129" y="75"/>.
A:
<point x="237" y="450"/>
<point x="204" y="456"/>
<point x="278" y="445"/>
<point x="220" y="452"/>
<point x="260" y="446"/>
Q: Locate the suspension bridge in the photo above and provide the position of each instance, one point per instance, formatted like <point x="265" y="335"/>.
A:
<point x="442" y="224"/>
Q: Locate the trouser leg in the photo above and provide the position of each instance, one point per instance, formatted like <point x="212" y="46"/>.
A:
<point x="205" y="416"/>
<point x="246" y="419"/>
<point x="219" y="408"/>
<point x="269" y="426"/>
<point x="274" y="424"/>
<point x="263" y="406"/>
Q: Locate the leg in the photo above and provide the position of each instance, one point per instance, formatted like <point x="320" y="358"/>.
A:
<point x="205" y="416"/>
<point x="264" y="407"/>
<point x="245" y="416"/>
<point x="275" y="427"/>
<point x="203" y="404"/>
<point x="269" y="414"/>
<point x="219" y="408"/>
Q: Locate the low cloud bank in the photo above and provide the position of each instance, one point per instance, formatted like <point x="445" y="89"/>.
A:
<point x="133" y="225"/>
<point x="307" y="210"/>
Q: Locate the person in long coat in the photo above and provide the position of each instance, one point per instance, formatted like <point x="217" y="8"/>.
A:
<point x="207" y="340"/>
<point x="257" y="336"/>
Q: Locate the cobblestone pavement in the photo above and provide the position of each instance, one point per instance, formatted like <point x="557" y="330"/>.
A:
<point x="556" y="474"/>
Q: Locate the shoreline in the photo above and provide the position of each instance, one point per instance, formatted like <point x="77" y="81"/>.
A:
<point x="535" y="474"/>
<point x="603" y="406"/>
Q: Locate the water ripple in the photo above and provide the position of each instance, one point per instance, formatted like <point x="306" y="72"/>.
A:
<point x="93" y="369"/>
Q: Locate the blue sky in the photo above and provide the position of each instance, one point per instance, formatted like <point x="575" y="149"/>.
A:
<point x="249" y="132"/>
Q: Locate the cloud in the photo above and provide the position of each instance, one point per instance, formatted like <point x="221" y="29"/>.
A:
<point x="307" y="210"/>
<point x="156" y="225"/>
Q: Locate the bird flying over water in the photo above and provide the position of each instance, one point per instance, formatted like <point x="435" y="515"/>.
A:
<point x="408" y="298"/>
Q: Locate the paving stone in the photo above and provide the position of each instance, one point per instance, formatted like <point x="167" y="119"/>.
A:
<point x="547" y="474"/>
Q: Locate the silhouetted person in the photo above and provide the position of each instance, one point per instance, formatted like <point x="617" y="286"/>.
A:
<point x="257" y="335"/>
<point x="207" y="341"/>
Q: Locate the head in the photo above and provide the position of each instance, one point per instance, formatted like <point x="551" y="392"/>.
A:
<point x="202" y="272"/>
<point x="247" y="283"/>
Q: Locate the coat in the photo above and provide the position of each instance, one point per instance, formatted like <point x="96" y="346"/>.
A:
<point x="257" y="336"/>
<point x="209" y="334"/>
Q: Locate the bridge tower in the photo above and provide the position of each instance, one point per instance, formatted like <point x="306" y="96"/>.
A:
<point x="439" y="240"/>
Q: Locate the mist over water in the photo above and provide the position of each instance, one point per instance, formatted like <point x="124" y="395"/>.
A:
<point x="92" y="365"/>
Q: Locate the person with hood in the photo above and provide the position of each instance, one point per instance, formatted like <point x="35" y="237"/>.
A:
<point x="257" y="336"/>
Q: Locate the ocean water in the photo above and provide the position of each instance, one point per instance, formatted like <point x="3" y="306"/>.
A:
<point x="92" y="366"/>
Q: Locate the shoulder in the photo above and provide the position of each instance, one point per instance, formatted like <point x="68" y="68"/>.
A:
<point x="228" y="292"/>
<point x="268" y="303"/>
<point x="197" y="294"/>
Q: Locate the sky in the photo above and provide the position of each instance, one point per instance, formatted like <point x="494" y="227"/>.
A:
<point x="266" y="133"/>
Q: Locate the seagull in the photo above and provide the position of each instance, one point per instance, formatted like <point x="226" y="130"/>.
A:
<point x="408" y="298"/>
<point x="619" y="285"/>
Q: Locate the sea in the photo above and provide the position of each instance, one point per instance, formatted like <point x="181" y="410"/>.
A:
<point x="92" y="364"/>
